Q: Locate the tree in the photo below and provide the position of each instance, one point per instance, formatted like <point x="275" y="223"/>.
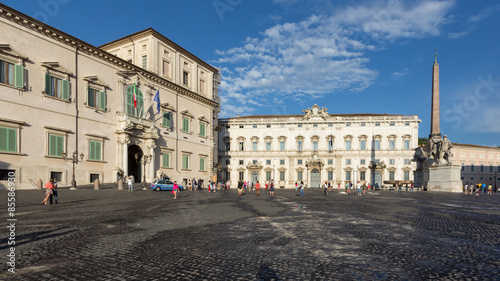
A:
<point x="422" y="141"/>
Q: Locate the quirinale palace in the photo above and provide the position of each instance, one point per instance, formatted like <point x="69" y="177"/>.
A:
<point x="67" y="103"/>
<point x="318" y="146"/>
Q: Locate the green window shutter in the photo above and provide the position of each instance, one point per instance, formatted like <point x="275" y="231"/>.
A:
<point x="19" y="80"/>
<point x="97" y="154"/>
<point x="202" y="164"/>
<point x="47" y="85"/>
<point x="12" y="140"/>
<point x="166" y="120"/>
<point x="130" y="100"/>
<point x="90" y="97"/>
<point x="202" y="129"/>
<point x="185" y="125"/>
<point x="65" y="89"/>
<point x="166" y="160"/>
<point x="60" y="145"/>
<point x="52" y="145"/>
<point x="4" y="138"/>
<point x="102" y="100"/>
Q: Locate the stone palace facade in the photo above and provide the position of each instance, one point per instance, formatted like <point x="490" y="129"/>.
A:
<point x="318" y="146"/>
<point x="61" y="95"/>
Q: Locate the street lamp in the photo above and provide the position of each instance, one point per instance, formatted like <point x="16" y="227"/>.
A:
<point x="74" y="160"/>
<point x="144" y="161"/>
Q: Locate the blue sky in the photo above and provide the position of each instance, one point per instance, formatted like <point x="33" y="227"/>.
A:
<point x="282" y="56"/>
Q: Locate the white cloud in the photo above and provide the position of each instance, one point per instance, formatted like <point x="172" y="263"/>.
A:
<point x="473" y="20"/>
<point x="320" y="55"/>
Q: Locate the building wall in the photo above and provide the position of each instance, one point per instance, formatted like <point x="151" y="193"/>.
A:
<point x="480" y="164"/>
<point x="34" y="115"/>
<point x="262" y="129"/>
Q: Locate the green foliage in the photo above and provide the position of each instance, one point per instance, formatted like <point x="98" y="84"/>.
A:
<point x="422" y="141"/>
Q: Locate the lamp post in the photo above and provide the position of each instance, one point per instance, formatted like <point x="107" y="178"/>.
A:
<point x="74" y="160"/>
<point x="146" y="159"/>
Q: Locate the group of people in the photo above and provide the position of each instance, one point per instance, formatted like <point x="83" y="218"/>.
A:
<point x="477" y="189"/>
<point x="245" y="186"/>
<point x="50" y="192"/>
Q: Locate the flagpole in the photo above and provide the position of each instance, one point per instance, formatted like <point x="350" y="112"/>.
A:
<point x="147" y="110"/>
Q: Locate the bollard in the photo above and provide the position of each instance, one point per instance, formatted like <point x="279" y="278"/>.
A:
<point x="120" y="184"/>
<point x="39" y="184"/>
<point x="97" y="185"/>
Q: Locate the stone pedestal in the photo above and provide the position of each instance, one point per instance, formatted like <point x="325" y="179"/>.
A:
<point x="440" y="178"/>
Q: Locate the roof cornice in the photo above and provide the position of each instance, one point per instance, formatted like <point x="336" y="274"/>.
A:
<point x="28" y="22"/>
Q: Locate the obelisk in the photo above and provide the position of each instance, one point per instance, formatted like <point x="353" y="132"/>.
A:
<point x="435" y="131"/>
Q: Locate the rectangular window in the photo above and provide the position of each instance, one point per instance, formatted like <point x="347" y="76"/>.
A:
<point x="330" y="144"/>
<point x="241" y="127"/>
<point x="362" y="175"/>
<point x="56" y="175"/>
<point x="254" y="146"/>
<point x="185" y="78"/>
<point x="407" y="124"/>
<point x="228" y="162"/>
<point x="228" y="146"/>
<point x="392" y="124"/>
<point x="362" y="145"/>
<point x="202" y="164"/>
<point x="166" y="160"/>
<point x="56" y="145"/>
<point x="392" y="145"/>
<point x="94" y="177"/>
<point x="8" y="139"/>
<point x="491" y="168"/>
<point x="254" y="161"/>
<point x="300" y="125"/>
<point x="241" y="162"/>
<point x="330" y="161"/>
<point x="185" y="125"/>
<point x="377" y="124"/>
<point x="406" y="175"/>
<point x="347" y="175"/>
<point x="407" y="144"/>
<point x="167" y="120"/>
<point x="348" y="145"/>
<point x="202" y="129"/>
<point x="363" y="124"/>
<point x="202" y="87"/>
<point x="391" y="175"/>
<point x="268" y="126"/>
<point x="268" y="146"/>
<point x="166" y="68"/>
<point x="268" y="175"/>
<point x="145" y="61"/>
<point x="348" y="125"/>
<point x="407" y="161"/>
<point x="299" y="161"/>
<point x="299" y="175"/>
<point x="362" y="161"/>
<point x="4" y="174"/>
<point x="282" y="161"/>
<point x="12" y="74"/>
<point x="268" y="162"/>
<point x="185" y="162"/>
<point x="391" y="161"/>
<point x="282" y="146"/>
<point x="315" y="145"/>
<point x="463" y="166"/>
<point x="240" y="176"/>
<point x="315" y="125"/>
<point x="240" y="146"/>
<point x="254" y="126"/>
<point x="96" y="98"/>
<point x="330" y="175"/>
<point x="348" y="161"/>
<point x="56" y="87"/>
<point x="95" y="148"/>
<point x="377" y="144"/>
<point x="282" y="175"/>
<point x="299" y="146"/>
<point x="482" y="167"/>
<point x="472" y="167"/>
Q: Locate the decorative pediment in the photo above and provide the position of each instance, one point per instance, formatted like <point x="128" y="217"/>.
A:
<point x="256" y="166"/>
<point x="268" y="169"/>
<point x="203" y="119"/>
<point x="314" y="161"/>
<point x="377" y="166"/>
<point x="8" y="50"/>
<point x="241" y="169"/>
<point x="187" y="113"/>
<point x="168" y="107"/>
<point x="282" y="169"/>
<point x="268" y="138"/>
<point x="254" y="138"/>
<point x="95" y="80"/>
<point x="57" y="67"/>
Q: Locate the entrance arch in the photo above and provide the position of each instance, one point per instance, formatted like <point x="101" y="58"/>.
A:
<point x="134" y="168"/>
<point x="315" y="178"/>
<point x="377" y="179"/>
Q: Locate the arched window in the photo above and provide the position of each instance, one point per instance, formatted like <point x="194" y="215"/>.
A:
<point x="139" y="110"/>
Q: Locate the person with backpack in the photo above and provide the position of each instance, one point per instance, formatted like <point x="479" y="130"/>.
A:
<point x="301" y="188"/>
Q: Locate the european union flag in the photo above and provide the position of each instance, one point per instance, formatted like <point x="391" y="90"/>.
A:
<point x="157" y="100"/>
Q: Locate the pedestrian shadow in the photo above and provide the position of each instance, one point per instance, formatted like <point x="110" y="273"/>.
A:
<point x="267" y="273"/>
<point x="34" y="236"/>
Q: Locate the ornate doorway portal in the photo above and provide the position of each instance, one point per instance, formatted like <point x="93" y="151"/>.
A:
<point x="134" y="168"/>
<point x="378" y="179"/>
<point x="315" y="178"/>
<point x="255" y="177"/>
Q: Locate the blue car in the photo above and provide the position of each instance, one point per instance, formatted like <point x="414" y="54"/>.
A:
<point x="164" y="185"/>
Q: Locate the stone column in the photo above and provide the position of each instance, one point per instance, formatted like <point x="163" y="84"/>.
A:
<point x="435" y="130"/>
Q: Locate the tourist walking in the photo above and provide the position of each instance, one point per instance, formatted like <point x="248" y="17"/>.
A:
<point x="240" y="187"/>
<point x="175" y="189"/>
<point x="325" y="188"/>
<point x="358" y="187"/>
<point x="271" y="188"/>
<point x="347" y="188"/>
<point x="490" y="190"/>
<point x="257" y="188"/>
<point x="329" y="186"/>
<point x="484" y="188"/>
<point x="228" y="185"/>
<point x="466" y="188"/>
<point x="295" y="186"/>
<point x="48" y="192"/>
<point x="339" y="186"/>
<point x="400" y="190"/>
<point x="301" y="188"/>
<point x="130" y="183"/>
<point x="54" y="191"/>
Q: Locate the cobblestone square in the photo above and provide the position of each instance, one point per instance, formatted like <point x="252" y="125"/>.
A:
<point x="147" y="235"/>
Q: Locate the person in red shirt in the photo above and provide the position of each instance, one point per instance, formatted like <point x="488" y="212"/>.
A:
<point x="48" y="192"/>
<point x="257" y="188"/>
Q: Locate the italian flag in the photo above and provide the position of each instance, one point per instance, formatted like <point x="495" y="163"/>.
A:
<point x="135" y="99"/>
